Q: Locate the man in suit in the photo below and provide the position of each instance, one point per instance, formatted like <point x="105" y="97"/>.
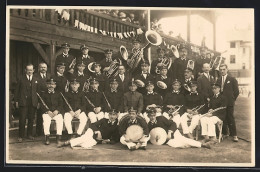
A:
<point x="26" y="100"/>
<point x="85" y="58"/>
<point x="200" y="61"/>
<point x="41" y="76"/>
<point x="229" y="88"/>
<point x="123" y="79"/>
<point x="204" y="82"/>
<point x="100" y="77"/>
<point x="187" y="81"/>
<point x="67" y="59"/>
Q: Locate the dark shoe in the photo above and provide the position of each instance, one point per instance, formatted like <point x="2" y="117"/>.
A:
<point x="69" y="136"/>
<point x="206" y="145"/>
<point x="132" y="148"/>
<point x="31" y="137"/>
<point x="73" y="136"/>
<point x="58" y="139"/>
<point x="235" y="139"/>
<point x="213" y="141"/>
<point x="77" y="135"/>
<point x="20" y="140"/>
<point x="205" y="140"/>
<point x="47" y="139"/>
<point x="142" y="147"/>
<point x="61" y="144"/>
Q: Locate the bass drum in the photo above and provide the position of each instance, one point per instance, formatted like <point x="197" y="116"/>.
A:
<point x="158" y="136"/>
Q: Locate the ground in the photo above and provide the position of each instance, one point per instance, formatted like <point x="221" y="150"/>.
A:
<point x="225" y="152"/>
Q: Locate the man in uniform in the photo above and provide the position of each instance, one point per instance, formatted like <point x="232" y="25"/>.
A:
<point x="173" y="98"/>
<point x="192" y="100"/>
<point x="74" y="107"/>
<point x="104" y="131"/>
<point x="25" y="98"/>
<point x="85" y="58"/>
<point x="187" y="80"/>
<point x="200" y="61"/>
<point x="67" y="59"/>
<point x="125" y="140"/>
<point x="208" y="122"/>
<point x="229" y="89"/>
<point x="123" y="79"/>
<point x="144" y="76"/>
<point x="42" y="76"/>
<point x="105" y="63"/>
<point x="164" y="77"/>
<point x="100" y="77"/>
<point x="52" y="109"/>
<point x="81" y="76"/>
<point x="95" y="102"/>
<point x="161" y="58"/>
<point x="62" y="82"/>
<point x="180" y="64"/>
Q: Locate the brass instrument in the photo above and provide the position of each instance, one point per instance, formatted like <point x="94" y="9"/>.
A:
<point x="123" y="52"/>
<point x="174" y="110"/>
<point x="113" y="69"/>
<point x="86" y="85"/>
<point x="72" y="64"/>
<point x="186" y="86"/>
<point x="90" y="66"/>
<point x="215" y="110"/>
<point x="175" y="51"/>
<point x="152" y="37"/>
<point x="166" y="61"/>
<point x="67" y="86"/>
<point x="190" y="64"/>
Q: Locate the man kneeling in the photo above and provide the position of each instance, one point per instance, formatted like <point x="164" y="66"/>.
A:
<point x="104" y="131"/>
<point x="138" y="135"/>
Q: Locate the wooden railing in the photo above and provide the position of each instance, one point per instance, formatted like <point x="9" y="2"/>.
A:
<point x="99" y="22"/>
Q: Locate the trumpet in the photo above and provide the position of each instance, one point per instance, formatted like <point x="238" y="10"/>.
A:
<point x="174" y="110"/>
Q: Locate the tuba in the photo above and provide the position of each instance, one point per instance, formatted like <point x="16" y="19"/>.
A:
<point x="175" y="51"/>
<point x="166" y="61"/>
<point x="190" y="64"/>
<point x="123" y="52"/>
<point x="153" y="38"/>
<point x="113" y="68"/>
<point x="90" y="67"/>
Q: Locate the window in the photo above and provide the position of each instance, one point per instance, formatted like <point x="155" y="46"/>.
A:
<point x="243" y="66"/>
<point x="232" y="44"/>
<point x="232" y="58"/>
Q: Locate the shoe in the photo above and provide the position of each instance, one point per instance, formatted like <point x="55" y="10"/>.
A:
<point x="142" y="147"/>
<point x="132" y="148"/>
<point x="31" y="137"/>
<point x="47" y="139"/>
<point x="58" y="139"/>
<point x="20" y="140"/>
<point x="235" y="139"/>
<point x="73" y="136"/>
<point x="213" y="141"/>
<point x="205" y="140"/>
<point x="206" y="145"/>
<point x="61" y="144"/>
<point x="69" y="136"/>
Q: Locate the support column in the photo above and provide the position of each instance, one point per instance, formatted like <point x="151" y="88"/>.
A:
<point x="188" y="25"/>
<point x="52" y="53"/>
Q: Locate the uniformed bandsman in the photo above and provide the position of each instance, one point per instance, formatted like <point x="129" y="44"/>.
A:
<point x="105" y="63"/>
<point x="208" y="122"/>
<point x="173" y="99"/>
<point x="162" y="59"/>
<point x="100" y="77"/>
<point x="123" y="78"/>
<point x="133" y="120"/>
<point x="52" y="108"/>
<point x="144" y="76"/>
<point x="81" y="76"/>
<point x="193" y="101"/>
<point x="200" y="61"/>
<point x="185" y="89"/>
<point x="66" y="58"/>
<point x="59" y="77"/>
<point x="164" y="77"/>
<point x="104" y="131"/>
<point x="85" y="58"/>
<point x="74" y="107"/>
<point x="95" y="102"/>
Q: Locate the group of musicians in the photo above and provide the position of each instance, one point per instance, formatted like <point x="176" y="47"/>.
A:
<point x="125" y="102"/>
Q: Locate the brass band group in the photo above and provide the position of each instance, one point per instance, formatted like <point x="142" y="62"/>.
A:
<point x="129" y="99"/>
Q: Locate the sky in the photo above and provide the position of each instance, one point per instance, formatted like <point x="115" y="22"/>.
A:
<point x="228" y="20"/>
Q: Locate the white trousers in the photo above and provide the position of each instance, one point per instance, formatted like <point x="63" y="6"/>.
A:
<point x="176" y="118"/>
<point x="179" y="141"/>
<point x="147" y="119"/>
<point x="130" y="144"/>
<point x="184" y="125"/>
<point x="85" y="141"/>
<point x="82" y="122"/>
<point x="208" y="127"/>
<point x="47" y="123"/>
<point x="95" y="117"/>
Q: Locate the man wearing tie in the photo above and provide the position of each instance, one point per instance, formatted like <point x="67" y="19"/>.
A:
<point x="123" y="79"/>
<point x="26" y="100"/>
<point x="229" y="88"/>
<point x="41" y="76"/>
<point x="204" y="82"/>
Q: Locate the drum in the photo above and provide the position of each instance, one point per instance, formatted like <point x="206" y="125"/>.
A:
<point x="134" y="133"/>
<point x="158" y="136"/>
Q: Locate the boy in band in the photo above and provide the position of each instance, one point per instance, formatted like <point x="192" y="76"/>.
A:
<point x="74" y="107"/>
<point x="175" y="97"/>
<point x="125" y="140"/>
<point x="100" y="77"/>
<point x="80" y="75"/>
<point x="208" y="122"/>
<point x="151" y="99"/>
<point x="174" y="137"/>
<point x="104" y="131"/>
<point x="52" y="106"/>
<point x="105" y="63"/>
<point x="95" y="102"/>
<point x="61" y="80"/>
<point x="187" y="80"/>
<point x="192" y="100"/>
<point x="164" y="78"/>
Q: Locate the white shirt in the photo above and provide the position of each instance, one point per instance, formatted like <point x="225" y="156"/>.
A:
<point x="29" y="77"/>
<point x="43" y="75"/>
<point x="59" y="74"/>
<point x="79" y="73"/>
<point x="207" y="75"/>
<point x="122" y="77"/>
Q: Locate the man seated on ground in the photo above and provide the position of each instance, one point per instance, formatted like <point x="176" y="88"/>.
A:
<point x="208" y="122"/>
<point x="104" y="131"/>
<point x="125" y="138"/>
<point x="174" y="136"/>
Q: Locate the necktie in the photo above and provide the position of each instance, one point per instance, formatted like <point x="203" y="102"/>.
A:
<point x="44" y="76"/>
<point x="222" y="84"/>
<point x="30" y="78"/>
<point x="121" y="77"/>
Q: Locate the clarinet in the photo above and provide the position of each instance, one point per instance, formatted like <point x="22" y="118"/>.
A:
<point x="217" y="109"/>
<point x="106" y="100"/>
<point x="44" y="104"/>
<point x="66" y="101"/>
<point x="90" y="102"/>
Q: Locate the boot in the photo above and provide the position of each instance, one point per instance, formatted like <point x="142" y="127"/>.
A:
<point x="47" y="139"/>
<point x="69" y="136"/>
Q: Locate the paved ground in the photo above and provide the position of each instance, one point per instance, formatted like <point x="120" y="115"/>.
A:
<point x="225" y="152"/>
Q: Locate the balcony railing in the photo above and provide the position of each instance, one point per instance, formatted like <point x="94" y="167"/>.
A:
<point x="89" y="21"/>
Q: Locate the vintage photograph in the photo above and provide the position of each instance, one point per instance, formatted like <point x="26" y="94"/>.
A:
<point x="139" y="86"/>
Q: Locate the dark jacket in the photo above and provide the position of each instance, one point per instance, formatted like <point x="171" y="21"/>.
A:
<point x="103" y="81"/>
<point x="231" y="90"/>
<point x="115" y="99"/>
<point x="96" y="98"/>
<point x="183" y="90"/>
<point x="108" y="130"/>
<point x="149" y="77"/>
<point x="66" y="60"/>
<point x="25" y="91"/>
<point x="42" y="82"/>
<point x="204" y="86"/>
<point x="125" y="123"/>
<point x="220" y="101"/>
<point x="178" y="68"/>
<point x="123" y="85"/>
<point x="86" y="61"/>
<point x="76" y="101"/>
<point x="174" y="99"/>
<point x="164" y="123"/>
<point x="82" y="79"/>
<point x="61" y="82"/>
<point x="153" y="98"/>
<point x="134" y="100"/>
<point x="193" y="100"/>
<point x="199" y="63"/>
<point x="54" y="101"/>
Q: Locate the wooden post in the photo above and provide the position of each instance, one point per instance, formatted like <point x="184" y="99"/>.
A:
<point x="188" y="25"/>
<point x="52" y="56"/>
<point x="52" y="16"/>
<point x="72" y="19"/>
<point x="38" y="47"/>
